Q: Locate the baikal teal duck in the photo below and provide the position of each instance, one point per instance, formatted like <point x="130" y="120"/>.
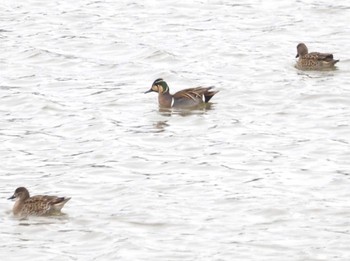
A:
<point x="313" y="60"/>
<point x="40" y="205"/>
<point x="187" y="98"/>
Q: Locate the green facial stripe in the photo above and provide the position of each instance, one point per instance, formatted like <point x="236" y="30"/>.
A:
<point x="165" y="87"/>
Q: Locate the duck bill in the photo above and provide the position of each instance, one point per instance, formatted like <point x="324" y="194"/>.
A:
<point x="297" y="56"/>
<point x="150" y="90"/>
<point x="12" y="197"/>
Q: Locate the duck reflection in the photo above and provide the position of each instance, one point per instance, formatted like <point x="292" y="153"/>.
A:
<point x="199" y="109"/>
<point x="160" y="126"/>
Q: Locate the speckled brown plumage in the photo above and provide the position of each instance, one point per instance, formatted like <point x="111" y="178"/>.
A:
<point x="36" y="205"/>
<point x="313" y="60"/>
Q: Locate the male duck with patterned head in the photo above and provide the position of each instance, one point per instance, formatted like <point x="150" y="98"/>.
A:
<point x="187" y="98"/>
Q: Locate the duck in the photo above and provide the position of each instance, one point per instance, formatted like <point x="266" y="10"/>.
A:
<point x="186" y="98"/>
<point x="313" y="60"/>
<point x="39" y="205"/>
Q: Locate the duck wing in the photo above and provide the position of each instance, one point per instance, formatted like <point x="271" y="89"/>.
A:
<point x="190" y="93"/>
<point x="194" y="93"/>
<point x="319" y="56"/>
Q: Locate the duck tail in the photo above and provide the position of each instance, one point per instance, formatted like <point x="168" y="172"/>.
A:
<point x="59" y="203"/>
<point x="209" y="94"/>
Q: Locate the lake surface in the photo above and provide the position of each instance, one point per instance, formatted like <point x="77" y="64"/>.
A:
<point x="263" y="174"/>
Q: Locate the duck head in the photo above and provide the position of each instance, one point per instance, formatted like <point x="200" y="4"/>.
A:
<point x="159" y="86"/>
<point x="20" y="193"/>
<point x="302" y="50"/>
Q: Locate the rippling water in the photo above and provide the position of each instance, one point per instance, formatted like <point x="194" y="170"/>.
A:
<point x="261" y="175"/>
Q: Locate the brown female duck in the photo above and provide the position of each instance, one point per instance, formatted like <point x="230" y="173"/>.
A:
<point x="187" y="98"/>
<point x="314" y="60"/>
<point x="37" y="205"/>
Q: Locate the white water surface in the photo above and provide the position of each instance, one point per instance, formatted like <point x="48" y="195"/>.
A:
<point x="261" y="175"/>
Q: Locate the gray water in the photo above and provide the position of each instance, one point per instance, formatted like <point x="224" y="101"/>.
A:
<point x="263" y="174"/>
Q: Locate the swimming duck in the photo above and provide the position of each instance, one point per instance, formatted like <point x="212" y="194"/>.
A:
<point x="314" y="60"/>
<point x="186" y="98"/>
<point x="37" y="205"/>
